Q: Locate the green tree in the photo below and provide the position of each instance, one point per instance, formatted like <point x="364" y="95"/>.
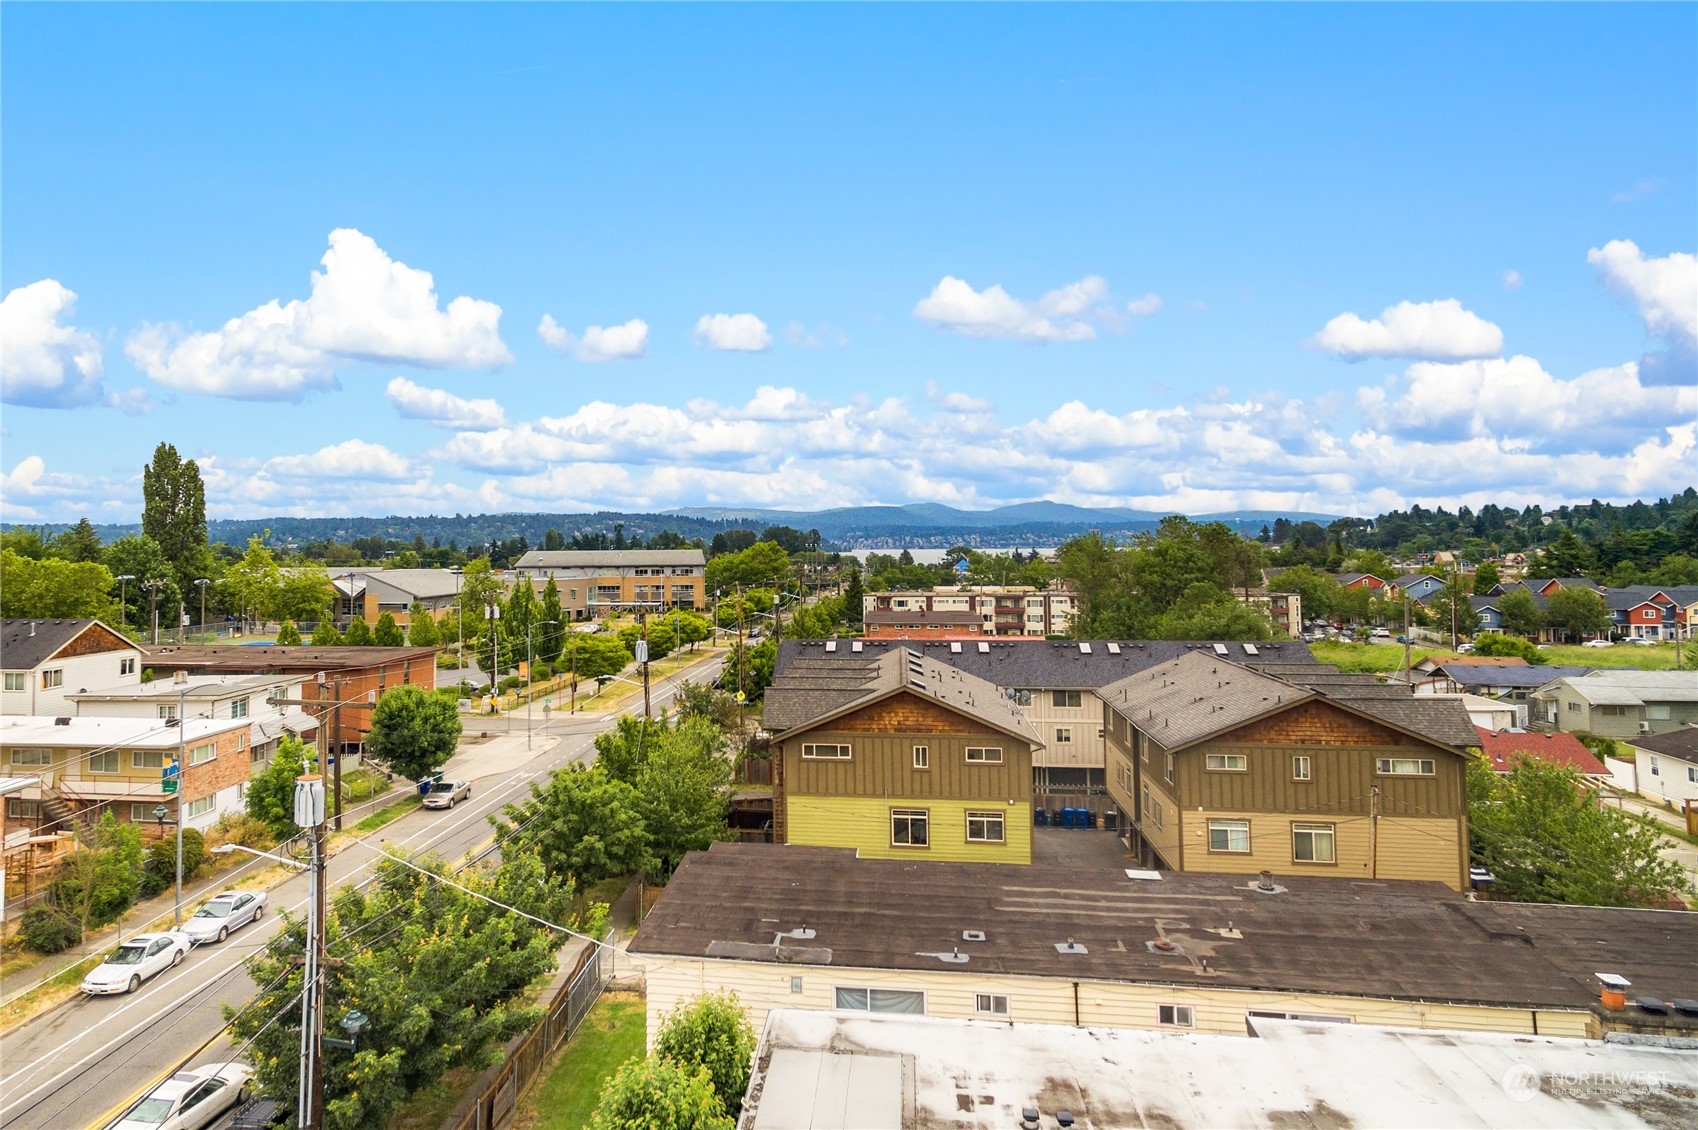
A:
<point x="271" y="791"/>
<point x="817" y="621"/>
<point x="1568" y="556"/>
<point x="388" y="633"/>
<point x="854" y="599"/>
<point x="764" y="563"/>
<point x="521" y="613"/>
<point x="712" y="1033"/>
<point x="552" y="638"/>
<point x="1452" y="607"/>
<point x="1541" y="831"/>
<point x="590" y="655"/>
<point x="421" y="628"/>
<point x="1204" y="612"/>
<point x="1370" y="561"/>
<point x="662" y="640"/>
<point x="1096" y="566"/>
<point x="96" y="885"/>
<point x="55" y="589"/>
<point x="1520" y="613"/>
<point x="413" y="731"/>
<point x="79" y="543"/>
<point x="359" y="633"/>
<point x="1485" y="578"/>
<point x="253" y="586"/>
<point x="1576" y="611"/>
<point x="479" y="589"/>
<point x="1322" y="595"/>
<point x="159" y="867"/>
<point x="583" y="825"/>
<point x="288" y="635"/>
<point x="324" y="634"/>
<point x="303" y="592"/>
<point x="683" y="790"/>
<point x="1496" y="643"/>
<point x="140" y="558"/>
<point x="657" y="1094"/>
<point x="174" y="512"/>
<point x="692" y="628"/>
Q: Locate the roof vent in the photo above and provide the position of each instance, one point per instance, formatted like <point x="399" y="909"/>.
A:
<point x="953" y="957"/>
<point x="1137" y="873"/>
<point x="972" y="935"/>
<point x="32" y="628"/>
<point x="1070" y="946"/>
<point x="1064" y="1118"/>
<point x="1029" y="1118"/>
<point x="179" y="676"/>
<point x="61" y="721"/>
<point x="830" y="646"/>
<point x="1265" y="885"/>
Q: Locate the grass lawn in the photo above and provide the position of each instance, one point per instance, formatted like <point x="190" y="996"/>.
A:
<point x="390" y="812"/>
<point x="1382" y="657"/>
<point x="564" y="1097"/>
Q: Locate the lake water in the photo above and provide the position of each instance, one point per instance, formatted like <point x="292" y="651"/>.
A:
<point x="936" y="556"/>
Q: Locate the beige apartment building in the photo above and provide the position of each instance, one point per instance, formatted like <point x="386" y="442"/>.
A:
<point x="595" y="582"/>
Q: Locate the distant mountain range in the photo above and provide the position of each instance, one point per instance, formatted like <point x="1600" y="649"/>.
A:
<point x="918" y="525"/>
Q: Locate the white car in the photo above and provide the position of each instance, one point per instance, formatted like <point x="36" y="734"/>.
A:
<point x="223" y="913"/>
<point x="1598" y="643"/>
<point x="126" y="967"/>
<point x="189" y="1100"/>
<point x="1643" y="641"/>
<point x="446" y="794"/>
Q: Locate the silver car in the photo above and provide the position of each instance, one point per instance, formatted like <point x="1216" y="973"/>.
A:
<point x="446" y="794"/>
<point x="223" y="913"/>
<point x="126" y="967"/>
<point x="189" y="1100"/>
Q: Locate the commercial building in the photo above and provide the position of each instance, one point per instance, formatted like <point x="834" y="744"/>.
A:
<point x="820" y="929"/>
<point x="368" y="593"/>
<point x="46" y="660"/>
<point x="899" y="756"/>
<point x="594" y="582"/>
<point x="1291" y="768"/>
<point x="1002" y="610"/>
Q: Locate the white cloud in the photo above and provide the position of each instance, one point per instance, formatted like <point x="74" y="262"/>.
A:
<point x="350" y="459"/>
<point x="1060" y="315"/>
<point x="364" y="307"/>
<point x="598" y="343"/>
<point x="740" y="333"/>
<point x="1665" y="290"/>
<point x="802" y="337"/>
<point x="1512" y="280"/>
<point x="45" y="363"/>
<point x="132" y="402"/>
<point x="1144" y="307"/>
<point x="1428" y="331"/>
<point x="443" y="408"/>
<point x="1639" y="191"/>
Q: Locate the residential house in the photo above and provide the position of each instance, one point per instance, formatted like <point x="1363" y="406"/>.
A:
<point x="1487" y="613"/>
<point x="1653" y="613"/>
<point x="1666" y="765"/>
<point x="1489" y="677"/>
<point x="369" y="593"/>
<point x="921" y="623"/>
<point x="213" y="696"/>
<point x="352" y="676"/>
<point x="1363" y="581"/>
<point x="1618" y="702"/>
<point x="1002" y="610"/>
<point x="1054" y="684"/>
<point x="86" y="766"/>
<point x="1217" y="767"/>
<point x="46" y="660"/>
<point x="1418" y="586"/>
<point x="1081" y="945"/>
<point x="1504" y="748"/>
<point x="594" y="582"/>
<point x="1490" y="714"/>
<point x="899" y="756"/>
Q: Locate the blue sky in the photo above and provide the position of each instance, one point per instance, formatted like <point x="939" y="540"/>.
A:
<point x="1323" y="257"/>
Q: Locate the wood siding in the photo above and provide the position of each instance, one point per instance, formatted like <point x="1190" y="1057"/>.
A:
<point x="1405" y="848"/>
<point x="863" y="823"/>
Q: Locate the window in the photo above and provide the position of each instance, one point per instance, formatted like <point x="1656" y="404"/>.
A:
<point x="1692" y="774"/>
<point x="168" y="711"/>
<point x="142" y="814"/>
<point x="826" y="752"/>
<point x="991" y="1004"/>
<point x="19" y="809"/>
<point x="1176" y="1015"/>
<point x="146" y="759"/>
<point x="1574" y="708"/>
<point x="1227" y="762"/>
<point x="1657" y="713"/>
<point x="202" y="753"/>
<point x="258" y="755"/>
<point x="881" y="1000"/>
<point x="1144" y="804"/>
<point x="795" y="984"/>
<point x="1064" y="698"/>
<point x="984" y="827"/>
<point x="909" y="827"/>
<point x="53" y="678"/>
<point x="32" y="757"/>
<point x="239" y="708"/>
<point x="103" y="761"/>
<point x="1612" y="711"/>
<point x="198" y="807"/>
<point x="1300" y="769"/>
<point x="1063" y="735"/>
<point x="1655" y="772"/>
<point x="922" y="757"/>
<point x="1167" y="770"/>
<point x="1404" y="766"/>
<point x="1157" y="813"/>
<point x="987" y="754"/>
<point x="15" y="680"/>
<point x="127" y="666"/>
<point x="1312" y="843"/>
<point x="1229" y="835"/>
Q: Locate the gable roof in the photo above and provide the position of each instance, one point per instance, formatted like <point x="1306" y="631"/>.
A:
<point x="1505" y="747"/>
<point x="1408" y="579"/>
<point x="812" y="693"/>
<point x="1565" y="582"/>
<point x="1348" y="579"/>
<point x="1493" y="675"/>
<point x="1681" y="743"/>
<point x="1629" y="686"/>
<point x="26" y="644"/>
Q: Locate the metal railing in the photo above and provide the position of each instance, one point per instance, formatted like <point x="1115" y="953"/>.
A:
<point x="565" y="1013"/>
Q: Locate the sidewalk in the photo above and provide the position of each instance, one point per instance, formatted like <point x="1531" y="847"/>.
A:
<point x="501" y="754"/>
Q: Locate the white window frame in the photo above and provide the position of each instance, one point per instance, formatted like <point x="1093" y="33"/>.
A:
<point x="198" y="807"/>
<point x="127" y="666"/>
<point x="1302" y="768"/>
<point x="987" y="754"/>
<point x="911" y="816"/>
<point x="167" y="711"/>
<point x="52" y="678"/>
<point x="1225" y="762"/>
<point x="1388" y="766"/>
<point x="1316" y="833"/>
<point x="17" y="680"/>
<point x="922" y="757"/>
<point x="1229" y="829"/>
<point x="201" y="754"/>
<point x="991" y="1004"/>
<point x="986" y="818"/>
<point x="239" y="708"/>
<point x="867" y="995"/>
<point x="811" y="751"/>
<point x="1176" y="1015"/>
<point x="1064" y="735"/>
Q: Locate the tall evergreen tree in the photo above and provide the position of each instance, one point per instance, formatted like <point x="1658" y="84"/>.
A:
<point x="358" y="634"/>
<point x="853" y="597"/>
<point x="388" y="633"/>
<point x="324" y="634"/>
<point x="552" y="640"/>
<point x="174" y="511"/>
<point x="79" y="543"/>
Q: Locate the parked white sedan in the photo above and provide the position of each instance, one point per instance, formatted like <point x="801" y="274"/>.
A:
<point x="446" y="794"/>
<point x="189" y="1100"/>
<point x="223" y="913"/>
<point x="126" y="967"/>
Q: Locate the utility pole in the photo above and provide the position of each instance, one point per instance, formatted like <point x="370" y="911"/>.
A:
<point x="739" y="643"/>
<point x="201" y="584"/>
<point x="1406" y="678"/>
<point x="643" y="648"/>
<point x="309" y="814"/>
<point x="153" y="608"/>
<point x="1455" y="588"/>
<point x="182" y="721"/>
<point x="336" y="750"/>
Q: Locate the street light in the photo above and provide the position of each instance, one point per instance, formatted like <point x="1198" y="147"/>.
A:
<point x="201" y="584"/>
<point x="153" y="587"/>
<point x="354" y="1023"/>
<point x="530" y="661"/>
<point x="123" y="605"/>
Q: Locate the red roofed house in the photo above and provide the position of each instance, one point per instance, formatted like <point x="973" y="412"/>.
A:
<point x="1504" y="748"/>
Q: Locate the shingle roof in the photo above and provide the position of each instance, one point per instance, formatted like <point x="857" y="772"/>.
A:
<point x="1487" y="675"/>
<point x="1681" y="743"/>
<point x="607" y="558"/>
<point x="812" y="692"/>
<point x="1627" y="686"/>
<point x="26" y="644"/>
<point x="1504" y="748"/>
<point x="1049" y="664"/>
<point x="1408" y="579"/>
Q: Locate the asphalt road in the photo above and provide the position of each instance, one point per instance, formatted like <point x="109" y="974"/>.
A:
<point x="79" y="1064"/>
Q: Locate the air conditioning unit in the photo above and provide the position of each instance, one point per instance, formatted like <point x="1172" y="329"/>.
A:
<point x="1644" y="727"/>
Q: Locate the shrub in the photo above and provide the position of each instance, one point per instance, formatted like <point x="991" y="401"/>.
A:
<point x="237" y="828"/>
<point x="711" y="1033"/>
<point x="657" y="1094"/>
<point x="159" y="870"/>
<point x="511" y="683"/>
<point x="47" y="929"/>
